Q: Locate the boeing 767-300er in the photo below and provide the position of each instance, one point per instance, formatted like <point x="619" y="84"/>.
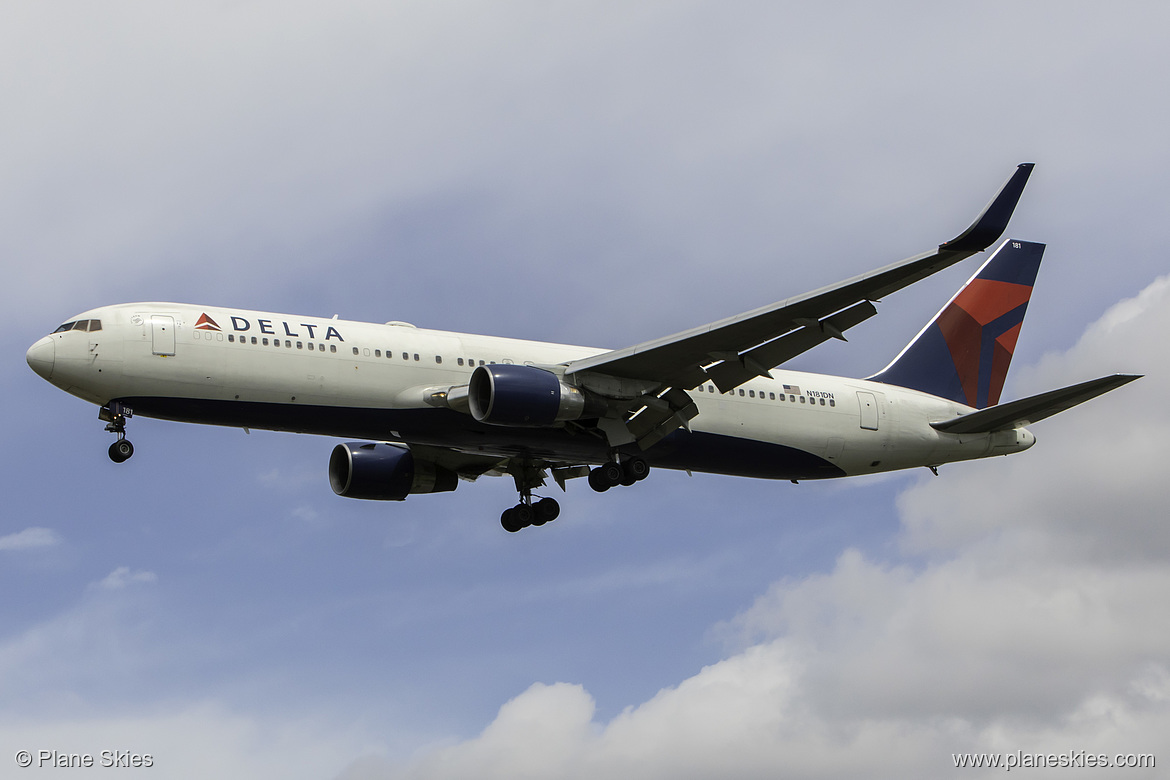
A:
<point x="433" y="406"/>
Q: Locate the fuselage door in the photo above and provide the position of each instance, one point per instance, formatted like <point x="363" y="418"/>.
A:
<point x="162" y="327"/>
<point x="869" y="410"/>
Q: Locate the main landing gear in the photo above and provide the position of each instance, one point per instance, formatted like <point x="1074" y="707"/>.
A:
<point x="529" y="512"/>
<point x="115" y="416"/>
<point x="614" y="473"/>
<point x="529" y="474"/>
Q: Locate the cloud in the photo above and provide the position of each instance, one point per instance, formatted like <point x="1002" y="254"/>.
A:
<point x="123" y="577"/>
<point x="1024" y="611"/>
<point x="1090" y="488"/>
<point x="29" y="538"/>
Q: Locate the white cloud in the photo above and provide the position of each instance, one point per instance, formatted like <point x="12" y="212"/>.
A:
<point x="1090" y="488"/>
<point x="30" y="537"/>
<point x="1028" y="615"/>
<point x="123" y="577"/>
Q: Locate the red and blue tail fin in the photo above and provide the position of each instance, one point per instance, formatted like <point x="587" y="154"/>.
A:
<point x="963" y="354"/>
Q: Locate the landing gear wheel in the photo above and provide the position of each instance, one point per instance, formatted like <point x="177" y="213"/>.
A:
<point x="612" y="473"/>
<point x="121" y="450"/>
<point x="509" y="520"/>
<point x="546" y="510"/>
<point x="597" y="481"/>
<point x="636" y="469"/>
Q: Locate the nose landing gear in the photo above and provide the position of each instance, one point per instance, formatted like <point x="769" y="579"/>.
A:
<point x="115" y="416"/>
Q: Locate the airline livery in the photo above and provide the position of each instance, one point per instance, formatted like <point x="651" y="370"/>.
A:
<point x="432" y="407"/>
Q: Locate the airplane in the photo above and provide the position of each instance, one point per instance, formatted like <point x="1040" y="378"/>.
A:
<point x="431" y="407"/>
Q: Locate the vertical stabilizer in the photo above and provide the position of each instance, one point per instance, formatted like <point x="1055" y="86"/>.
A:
<point x="964" y="352"/>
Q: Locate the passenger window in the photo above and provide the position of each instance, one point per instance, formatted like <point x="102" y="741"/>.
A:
<point x="406" y="356"/>
<point x="416" y="356"/>
<point x="459" y="361"/>
<point x="355" y="350"/>
<point x="832" y="402"/>
<point x="822" y="402"/>
<point x="771" y="396"/>
<point x="438" y="359"/>
<point x="751" y="393"/>
<point x="332" y="347"/>
<point x="741" y="392"/>
<point x="377" y="353"/>
<point x="287" y="344"/>
<point x="253" y="339"/>
<point x="265" y="342"/>
<point x="300" y="345"/>
<point x="802" y="399"/>
<point x="310" y="346"/>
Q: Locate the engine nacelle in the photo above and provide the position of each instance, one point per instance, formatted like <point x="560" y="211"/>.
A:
<point x="526" y="396"/>
<point x="384" y="472"/>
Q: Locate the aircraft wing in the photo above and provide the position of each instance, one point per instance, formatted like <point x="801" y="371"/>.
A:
<point x="1032" y="409"/>
<point x="733" y="350"/>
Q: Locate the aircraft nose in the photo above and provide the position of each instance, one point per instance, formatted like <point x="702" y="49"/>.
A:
<point x="40" y="357"/>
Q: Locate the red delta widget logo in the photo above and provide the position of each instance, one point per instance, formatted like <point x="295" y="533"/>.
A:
<point x="267" y="327"/>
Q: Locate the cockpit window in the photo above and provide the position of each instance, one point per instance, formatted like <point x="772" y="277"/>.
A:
<point x="90" y="325"/>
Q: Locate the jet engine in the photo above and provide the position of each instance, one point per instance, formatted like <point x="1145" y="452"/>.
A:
<point x="526" y="396"/>
<point x="384" y="472"/>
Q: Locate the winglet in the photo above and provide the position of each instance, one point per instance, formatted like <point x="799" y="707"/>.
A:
<point x="991" y="223"/>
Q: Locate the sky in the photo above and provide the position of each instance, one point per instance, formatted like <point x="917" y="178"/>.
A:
<point x="595" y="173"/>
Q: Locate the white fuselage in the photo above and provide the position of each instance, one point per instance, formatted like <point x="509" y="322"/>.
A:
<point x="353" y="379"/>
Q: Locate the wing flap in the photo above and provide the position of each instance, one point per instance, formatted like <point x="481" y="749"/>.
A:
<point x="1034" y="408"/>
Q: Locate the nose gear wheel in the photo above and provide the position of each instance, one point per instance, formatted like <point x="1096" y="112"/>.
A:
<point x="115" y="416"/>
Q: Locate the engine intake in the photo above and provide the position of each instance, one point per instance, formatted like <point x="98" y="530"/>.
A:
<point x="526" y="396"/>
<point x="384" y="472"/>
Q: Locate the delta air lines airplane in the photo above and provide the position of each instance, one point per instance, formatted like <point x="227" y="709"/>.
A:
<point x="432" y="407"/>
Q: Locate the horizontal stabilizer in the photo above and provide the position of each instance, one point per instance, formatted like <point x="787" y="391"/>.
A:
<point x="1029" y="410"/>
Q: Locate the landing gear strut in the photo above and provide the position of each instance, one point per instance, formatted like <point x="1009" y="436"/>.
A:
<point x="115" y="416"/>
